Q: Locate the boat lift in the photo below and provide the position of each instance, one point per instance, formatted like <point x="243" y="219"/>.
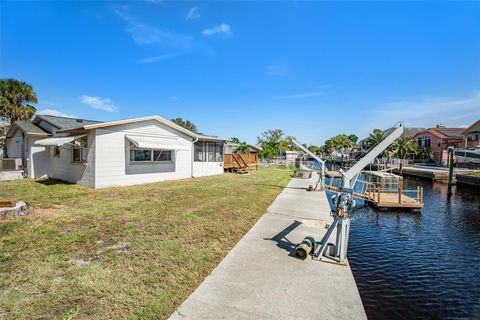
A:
<point x="343" y="201"/>
<point x="322" y="171"/>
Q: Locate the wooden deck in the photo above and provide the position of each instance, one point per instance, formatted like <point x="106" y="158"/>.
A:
<point x="240" y="162"/>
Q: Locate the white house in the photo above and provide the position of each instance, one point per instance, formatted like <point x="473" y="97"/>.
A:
<point x="116" y="153"/>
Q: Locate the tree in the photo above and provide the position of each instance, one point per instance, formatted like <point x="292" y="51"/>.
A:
<point x="243" y="147"/>
<point x="426" y="154"/>
<point x="340" y="142"/>
<point x="375" y="138"/>
<point x="314" y="149"/>
<point x="15" y="99"/>
<point x="403" y="146"/>
<point x="353" y="138"/>
<point x="287" y="144"/>
<point x="185" y="124"/>
<point x="270" y="141"/>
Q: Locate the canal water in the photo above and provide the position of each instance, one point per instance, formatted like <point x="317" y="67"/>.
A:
<point x="422" y="265"/>
<point x="419" y="265"/>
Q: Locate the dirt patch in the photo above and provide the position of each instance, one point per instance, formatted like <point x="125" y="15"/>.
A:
<point x="38" y="213"/>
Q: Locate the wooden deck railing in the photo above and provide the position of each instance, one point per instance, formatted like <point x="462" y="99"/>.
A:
<point x="240" y="160"/>
<point x="392" y="198"/>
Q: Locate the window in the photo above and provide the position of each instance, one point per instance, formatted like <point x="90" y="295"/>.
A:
<point x="206" y="151"/>
<point x="218" y="152"/>
<point x="141" y="155"/>
<point x="80" y="150"/>
<point x="210" y="151"/>
<point x="199" y="154"/>
<point x="149" y="155"/>
<point x="56" y="152"/>
<point x="162" y="155"/>
<point x="424" y="142"/>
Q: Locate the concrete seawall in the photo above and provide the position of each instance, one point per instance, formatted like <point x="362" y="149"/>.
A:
<point x="261" y="279"/>
<point x="468" y="180"/>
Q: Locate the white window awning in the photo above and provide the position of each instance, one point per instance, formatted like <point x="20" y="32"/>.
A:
<point x="156" y="143"/>
<point x="58" y="141"/>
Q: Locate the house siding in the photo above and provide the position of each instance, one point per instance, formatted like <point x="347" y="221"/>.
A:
<point x="14" y="145"/>
<point x="39" y="160"/>
<point x="65" y="169"/>
<point x="201" y="169"/>
<point x="113" y="166"/>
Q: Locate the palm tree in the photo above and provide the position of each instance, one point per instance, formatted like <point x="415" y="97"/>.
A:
<point x="15" y="99"/>
<point x="426" y="154"/>
<point x="403" y="146"/>
<point x="375" y="138"/>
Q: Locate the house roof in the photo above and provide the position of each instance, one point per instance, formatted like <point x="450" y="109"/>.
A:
<point x="28" y="128"/>
<point x="100" y="125"/>
<point x="209" y="138"/>
<point x="445" y="133"/>
<point x="409" y="132"/>
<point x="474" y="128"/>
<point x="64" y="123"/>
<point x="450" y="132"/>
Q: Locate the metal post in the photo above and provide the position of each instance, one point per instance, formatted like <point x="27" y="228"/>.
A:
<point x="450" y="171"/>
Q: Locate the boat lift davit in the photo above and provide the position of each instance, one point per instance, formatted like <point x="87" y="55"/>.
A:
<point x="343" y="201"/>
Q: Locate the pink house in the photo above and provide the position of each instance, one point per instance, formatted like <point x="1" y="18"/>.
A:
<point x="439" y="139"/>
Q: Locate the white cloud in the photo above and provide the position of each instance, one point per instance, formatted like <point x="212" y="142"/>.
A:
<point x="222" y="28"/>
<point x="193" y="13"/>
<point x="301" y="95"/>
<point x="104" y="104"/>
<point x="174" y="98"/>
<point x="144" y="34"/>
<point x="161" y="57"/>
<point x="54" y="112"/>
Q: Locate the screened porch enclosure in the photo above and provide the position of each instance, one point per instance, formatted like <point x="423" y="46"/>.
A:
<point x="208" y="151"/>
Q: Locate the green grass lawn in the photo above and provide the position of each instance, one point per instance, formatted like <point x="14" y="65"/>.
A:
<point x="128" y="252"/>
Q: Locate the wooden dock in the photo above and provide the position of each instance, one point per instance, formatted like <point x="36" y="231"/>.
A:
<point x="385" y="199"/>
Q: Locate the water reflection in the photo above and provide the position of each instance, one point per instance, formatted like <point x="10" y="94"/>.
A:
<point x="420" y="265"/>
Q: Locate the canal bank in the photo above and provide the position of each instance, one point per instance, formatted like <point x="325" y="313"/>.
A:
<point x="261" y="278"/>
<point x="462" y="176"/>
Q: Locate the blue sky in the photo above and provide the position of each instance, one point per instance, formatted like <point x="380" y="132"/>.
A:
<point x="313" y="69"/>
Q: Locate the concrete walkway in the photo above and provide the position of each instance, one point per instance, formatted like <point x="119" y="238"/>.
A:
<point x="261" y="279"/>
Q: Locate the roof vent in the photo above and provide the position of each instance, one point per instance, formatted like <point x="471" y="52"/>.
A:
<point x="440" y="125"/>
<point x="79" y="120"/>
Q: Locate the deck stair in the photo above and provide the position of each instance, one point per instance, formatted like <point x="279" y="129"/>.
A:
<point x="239" y="162"/>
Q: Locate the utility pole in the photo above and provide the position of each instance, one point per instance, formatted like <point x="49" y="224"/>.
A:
<point x="450" y="171"/>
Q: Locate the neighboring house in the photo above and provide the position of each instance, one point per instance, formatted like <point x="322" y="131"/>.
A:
<point x="407" y="132"/>
<point x="20" y="143"/>
<point x="467" y="152"/>
<point x="126" y="152"/>
<point x="472" y="136"/>
<point x="438" y="139"/>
